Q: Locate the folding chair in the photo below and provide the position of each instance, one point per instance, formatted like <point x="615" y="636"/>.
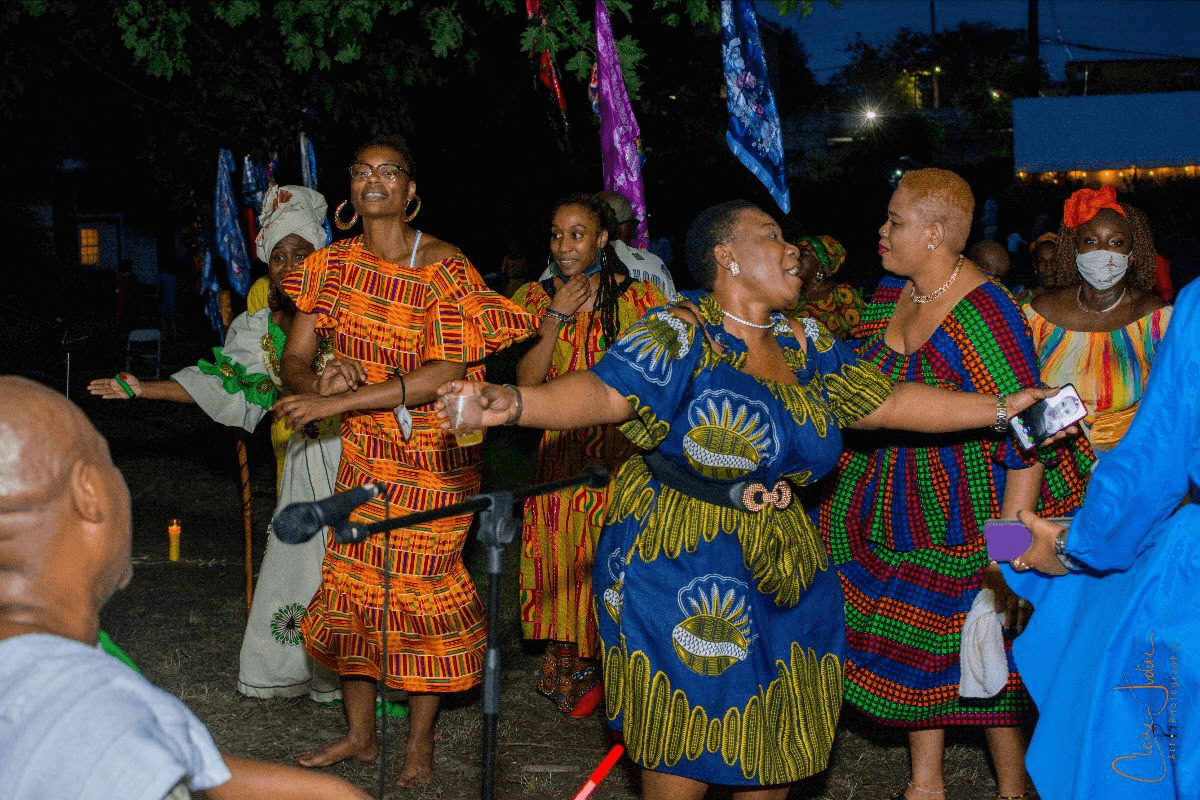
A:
<point x="145" y="347"/>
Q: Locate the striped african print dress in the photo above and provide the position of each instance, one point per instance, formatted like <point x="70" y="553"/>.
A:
<point x="903" y="514"/>
<point x="1108" y="368"/>
<point x="560" y="532"/>
<point x="393" y="318"/>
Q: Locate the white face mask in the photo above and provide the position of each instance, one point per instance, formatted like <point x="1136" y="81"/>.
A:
<point x="1103" y="269"/>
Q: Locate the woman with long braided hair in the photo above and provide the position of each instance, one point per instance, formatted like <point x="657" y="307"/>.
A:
<point x="1100" y="323"/>
<point x="585" y="304"/>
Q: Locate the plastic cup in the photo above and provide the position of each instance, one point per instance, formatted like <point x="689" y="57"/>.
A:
<point x="466" y="418"/>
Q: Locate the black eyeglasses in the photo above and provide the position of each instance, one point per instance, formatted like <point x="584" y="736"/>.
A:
<point x="387" y="172"/>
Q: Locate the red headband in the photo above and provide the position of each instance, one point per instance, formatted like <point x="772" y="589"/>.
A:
<point x="1086" y="203"/>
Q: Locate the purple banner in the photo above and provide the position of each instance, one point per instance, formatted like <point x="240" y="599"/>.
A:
<point x="618" y="129"/>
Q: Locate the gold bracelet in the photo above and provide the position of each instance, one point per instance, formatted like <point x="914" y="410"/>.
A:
<point x="518" y="405"/>
<point x="1001" y="413"/>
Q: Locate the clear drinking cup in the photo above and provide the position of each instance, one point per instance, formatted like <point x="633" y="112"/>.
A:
<point x="466" y="418"/>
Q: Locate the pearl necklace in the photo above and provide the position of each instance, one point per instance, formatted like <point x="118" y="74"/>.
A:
<point x="748" y="323"/>
<point x="1082" y="307"/>
<point x="936" y="293"/>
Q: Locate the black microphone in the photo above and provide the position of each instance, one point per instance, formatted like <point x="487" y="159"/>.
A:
<point x="595" y="476"/>
<point x="299" y="522"/>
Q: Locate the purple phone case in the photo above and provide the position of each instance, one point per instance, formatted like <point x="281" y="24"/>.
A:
<point x="1006" y="539"/>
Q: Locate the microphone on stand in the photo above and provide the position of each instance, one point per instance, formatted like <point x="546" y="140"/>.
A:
<point x="299" y="522"/>
<point x="595" y="476"/>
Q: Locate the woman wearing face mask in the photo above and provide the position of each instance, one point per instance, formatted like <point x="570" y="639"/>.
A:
<point x="1099" y="329"/>
<point x="586" y="303"/>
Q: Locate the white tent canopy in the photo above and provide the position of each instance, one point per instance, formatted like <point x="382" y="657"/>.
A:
<point x="1106" y="132"/>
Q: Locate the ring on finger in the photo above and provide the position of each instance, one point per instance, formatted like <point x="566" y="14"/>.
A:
<point x="1023" y="603"/>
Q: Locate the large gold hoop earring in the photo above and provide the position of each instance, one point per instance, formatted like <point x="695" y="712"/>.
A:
<point x="410" y="215"/>
<point x="337" y="217"/>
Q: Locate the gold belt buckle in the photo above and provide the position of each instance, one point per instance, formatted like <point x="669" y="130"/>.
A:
<point x="756" y="496"/>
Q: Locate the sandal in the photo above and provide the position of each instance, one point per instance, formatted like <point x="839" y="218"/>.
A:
<point x="903" y="793"/>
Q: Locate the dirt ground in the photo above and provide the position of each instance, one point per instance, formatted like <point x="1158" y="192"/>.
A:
<point x="182" y="623"/>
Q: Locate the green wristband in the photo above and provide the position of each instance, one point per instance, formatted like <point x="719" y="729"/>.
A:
<point x="125" y="387"/>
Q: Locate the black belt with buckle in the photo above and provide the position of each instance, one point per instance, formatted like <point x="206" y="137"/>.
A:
<point x="745" y="495"/>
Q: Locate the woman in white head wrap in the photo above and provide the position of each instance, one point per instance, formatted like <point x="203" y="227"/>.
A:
<point x="238" y="388"/>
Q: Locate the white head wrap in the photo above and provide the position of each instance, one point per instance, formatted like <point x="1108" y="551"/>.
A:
<point x="291" y="209"/>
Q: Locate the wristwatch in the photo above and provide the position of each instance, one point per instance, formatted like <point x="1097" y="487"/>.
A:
<point x="1060" y="543"/>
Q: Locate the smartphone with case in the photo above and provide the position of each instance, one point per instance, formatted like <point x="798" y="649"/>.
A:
<point x="1047" y="417"/>
<point x="1007" y="538"/>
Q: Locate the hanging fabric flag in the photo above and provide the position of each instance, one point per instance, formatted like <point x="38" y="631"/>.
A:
<point x="753" y="133"/>
<point x="254" y="188"/>
<point x="594" y="90"/>
<point x="210" y="291"/>
<point x="547" y="74"/>
<point x="254" y="183"/>
<point x="230" y="242"/>
<point x="618" y="129"/>
<point x="308" y="162"/>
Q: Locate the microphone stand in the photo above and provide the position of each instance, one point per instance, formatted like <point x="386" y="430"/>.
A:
<point x="497" y="527"/>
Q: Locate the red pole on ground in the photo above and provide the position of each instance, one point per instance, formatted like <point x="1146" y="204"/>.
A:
<point x="600" y="771"/>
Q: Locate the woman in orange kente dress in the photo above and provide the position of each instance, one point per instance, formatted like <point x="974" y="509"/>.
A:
<point x="406" y="312"/>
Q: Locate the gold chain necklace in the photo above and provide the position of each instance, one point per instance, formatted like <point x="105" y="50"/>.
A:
<point x="1082" y="307"/>
<point x="936" y="293"/>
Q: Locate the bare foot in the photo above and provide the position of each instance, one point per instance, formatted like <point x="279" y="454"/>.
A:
<point x="418" y="766"/>
<point x="339" y="751"/>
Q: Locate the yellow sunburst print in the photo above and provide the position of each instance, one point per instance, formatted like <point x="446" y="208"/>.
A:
<point x="715" y="635"/>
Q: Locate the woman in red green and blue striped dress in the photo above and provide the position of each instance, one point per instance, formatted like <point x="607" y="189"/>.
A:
<point x="904" y="513"/>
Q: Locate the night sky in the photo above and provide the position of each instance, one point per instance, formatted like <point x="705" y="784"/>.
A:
<point x="1124" y="28"/>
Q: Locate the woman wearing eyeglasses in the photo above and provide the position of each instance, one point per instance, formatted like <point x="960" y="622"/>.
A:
<point x="407" y="312"/>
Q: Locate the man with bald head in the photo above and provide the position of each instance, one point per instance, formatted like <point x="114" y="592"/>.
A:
<point x="991" y="257"/>
<point x="74" y="721"/>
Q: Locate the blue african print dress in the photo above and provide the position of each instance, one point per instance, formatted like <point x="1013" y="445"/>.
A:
<point x="719" y="618"/>
<point x="1112" y="653"/>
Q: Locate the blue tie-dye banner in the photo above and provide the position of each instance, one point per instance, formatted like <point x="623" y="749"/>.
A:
<point x="753" y="134"/>
<point x="210" y="290"/>
<point x="230" y="242"/>
<point x="308" y="162"/>
<point x="254" y="184"/>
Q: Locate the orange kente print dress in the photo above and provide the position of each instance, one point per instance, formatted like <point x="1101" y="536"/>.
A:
<point x="393" y="318"/>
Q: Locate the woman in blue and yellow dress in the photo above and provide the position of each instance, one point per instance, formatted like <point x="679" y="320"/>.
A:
<point x="720" y="620"/>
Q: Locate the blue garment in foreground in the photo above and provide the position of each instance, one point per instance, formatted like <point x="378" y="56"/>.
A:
<point x="1112" y="657"/>
<point x="76" y="723"/>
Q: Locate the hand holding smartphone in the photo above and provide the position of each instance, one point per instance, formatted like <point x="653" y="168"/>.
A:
<point x="1007" y="538"/>
<point x="1047" y="417"/>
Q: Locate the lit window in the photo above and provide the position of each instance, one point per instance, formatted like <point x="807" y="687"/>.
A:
<point x="89" y="246"/>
